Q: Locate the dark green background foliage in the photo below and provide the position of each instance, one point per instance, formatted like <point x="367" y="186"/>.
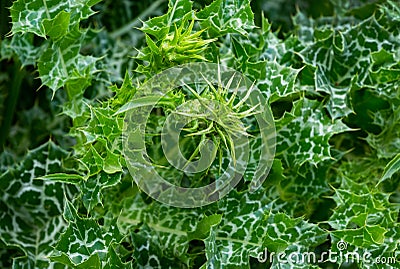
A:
<point x="329" y="68"/>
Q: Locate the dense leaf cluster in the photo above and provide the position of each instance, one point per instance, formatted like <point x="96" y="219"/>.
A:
<point x="331" y="81"/>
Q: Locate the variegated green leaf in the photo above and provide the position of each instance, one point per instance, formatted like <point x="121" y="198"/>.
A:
<point x="38" y="244"/>
<point x="114" y="261"/>
<point x="365" y="221"/>
<point x="259" y="44"/>
<point x="303" y="134"/>
<point x="375" y="256"/>
<point x="250" y="227"/>
<point x="350" y="55"/>
<point x="392" y="10"/>
<point x="294" y="238"/>
<point x="364" y="208"/>
<point x="222" y="17"/>
<point x="51" y="18"/>
<point x="92" y="188"/>
<point x="170" y="227"/>
<point x="241" y="232"/>
<point x="105" y="128"/>
<point x="59" y="60"/>
<point x="274" y="81"/>
<point x="85" y="244"/>
<point x="31" y="209"/>
<point x="61" y="64"/>
<point x="338" y="104"/>
<point x="301" y="191"/>
<point x="22" y="46"/>
<point x="386" y="143"/>
<point x="149" y="253"/>
<point x="160" y="26"/>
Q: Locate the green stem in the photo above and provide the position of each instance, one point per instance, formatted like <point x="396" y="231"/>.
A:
<point x="137" y="21"/>
<point x="11" y="102"/>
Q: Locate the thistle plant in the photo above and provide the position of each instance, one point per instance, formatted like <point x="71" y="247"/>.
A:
<point x="193" y="115"/>
<point x="181" y="45"/>
<point x="79" y="190"/>
<point x="219" y="116"/>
